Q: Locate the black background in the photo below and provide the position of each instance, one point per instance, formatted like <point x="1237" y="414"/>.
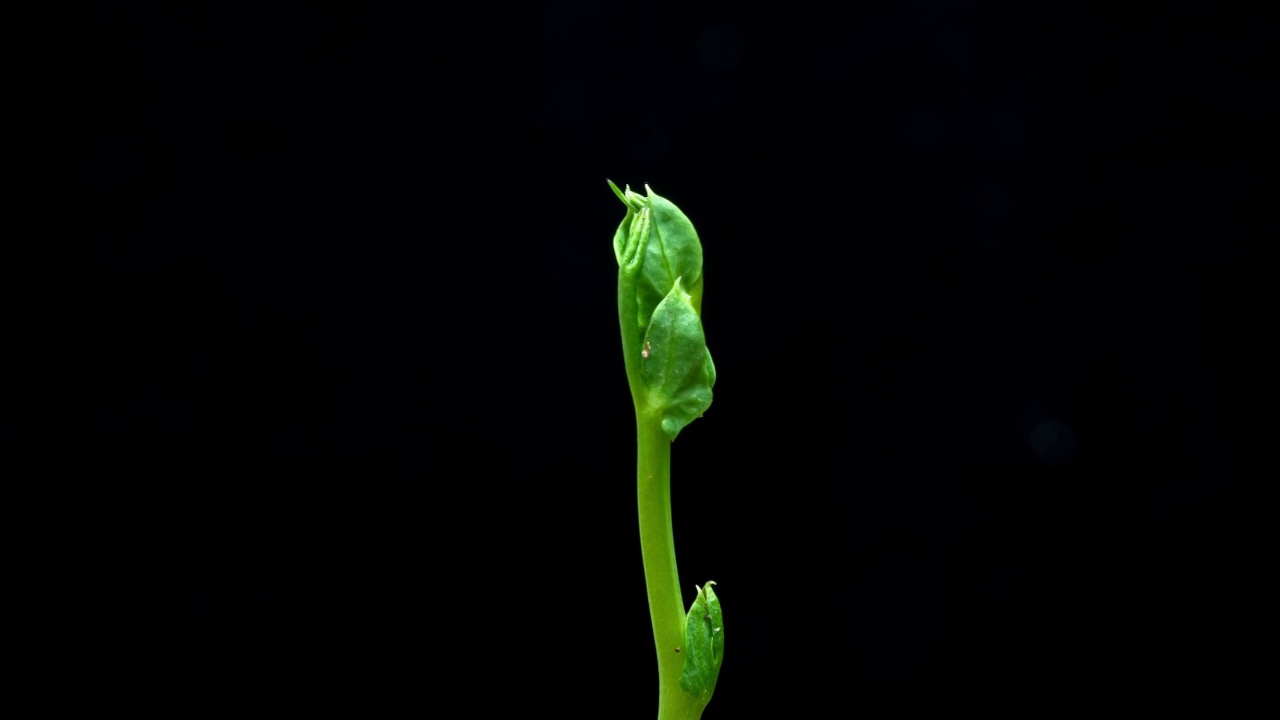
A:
<point x="346" y="394"/>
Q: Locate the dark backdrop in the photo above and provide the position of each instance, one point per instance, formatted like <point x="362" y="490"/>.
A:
<point x="346" y="396"/>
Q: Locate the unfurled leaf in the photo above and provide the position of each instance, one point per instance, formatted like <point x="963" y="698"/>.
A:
<point x="676" y="366"/>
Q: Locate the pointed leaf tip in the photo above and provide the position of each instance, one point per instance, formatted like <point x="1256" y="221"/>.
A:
<point x="618" y="192"/>
<point x="704" y="643"/>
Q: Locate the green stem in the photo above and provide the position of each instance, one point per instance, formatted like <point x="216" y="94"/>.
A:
<point x="657" y="545"/>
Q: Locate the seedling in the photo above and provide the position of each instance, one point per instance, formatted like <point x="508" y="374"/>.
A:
<point x="671" y="375"/>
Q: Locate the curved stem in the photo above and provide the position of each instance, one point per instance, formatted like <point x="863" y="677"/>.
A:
<point x="657" y="545"/>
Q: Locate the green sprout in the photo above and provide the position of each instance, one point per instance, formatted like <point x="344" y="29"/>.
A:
<point x="671" y="375"/>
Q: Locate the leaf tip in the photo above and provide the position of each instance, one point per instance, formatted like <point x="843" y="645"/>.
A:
<point x="618" y="192"/>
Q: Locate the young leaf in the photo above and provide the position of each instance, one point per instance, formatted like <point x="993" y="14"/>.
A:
<point x="654" y="245"/>
<point x="633" y="232"/>
<point x="704" y="642"/>
<point x="676" y="367"/>
<point x="673" y="252"/>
